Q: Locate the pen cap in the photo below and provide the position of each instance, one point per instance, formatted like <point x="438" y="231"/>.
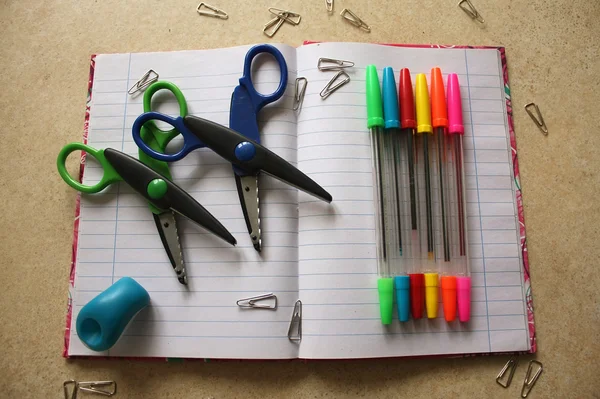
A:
<point x="385" y="288"/>
<point x="439" y="113"/>
<point x="463" y="291"/>
<point x="455" y="117"/>
<point x="431" y="294"/>
<point x="407" y="100"/>
<point x="448" y="284"/>
<point x="402" y="286"/>
<point x="374" y="109"/>
<point x="423" y="106"/>
<point x="417" y="294"/>
<point x="101" y="322"/>
<point x="390" y="99"/>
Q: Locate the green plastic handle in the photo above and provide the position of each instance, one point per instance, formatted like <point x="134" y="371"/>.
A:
<point x="156" y="138"/>
<point x="374" y="103"/>
<point x="109" y="176"/>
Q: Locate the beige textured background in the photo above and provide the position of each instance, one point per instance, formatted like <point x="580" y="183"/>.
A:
<point x="553" y="57"/>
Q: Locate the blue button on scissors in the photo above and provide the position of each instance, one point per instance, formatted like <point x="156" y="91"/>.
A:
<point x="239" y="144"/>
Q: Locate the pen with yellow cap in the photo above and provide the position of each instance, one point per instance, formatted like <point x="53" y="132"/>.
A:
<point x="426" y="282"/>
<point x="439" y="115"/>
<point x="375" y="123"/>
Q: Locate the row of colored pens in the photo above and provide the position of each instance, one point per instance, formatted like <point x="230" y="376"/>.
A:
<point x="419" y="193"/>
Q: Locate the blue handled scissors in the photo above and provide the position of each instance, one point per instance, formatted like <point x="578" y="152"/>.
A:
<point x="239" y="144"/>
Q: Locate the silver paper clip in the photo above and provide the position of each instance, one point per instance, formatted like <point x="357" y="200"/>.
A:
<point x="213" y="11"/>
<point x="530" y="381"/>
<point x="470" y="10"/>
<point x="94" y="387"/>
<point x="329" y="5"/>
<point x="252" y="302"/>
<point x="73" y="394"/>
<point x="273" y="26"/>
<point x="301" y="84"/>
<point x="145" y="81"/>
<point x="331" y="64"/>
<point x="295" y="330"/>
<point x="330" y="87"/>
<point x="509" y="367"/>
<point x="354" y="20"/>
<point x="539" y="120"/>
<point x="287" y="16"/>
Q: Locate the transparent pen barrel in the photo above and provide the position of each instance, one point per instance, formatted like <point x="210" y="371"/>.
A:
<point x="405" y="201"/>
<point x="425" y="183"/>
<point x="458" y="210"/>
<point x="443" y="199"/>
<point x="378" y="201"/>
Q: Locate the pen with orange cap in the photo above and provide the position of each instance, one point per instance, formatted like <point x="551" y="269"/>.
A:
<point x="424" y="279"/>
<point x="460" y="247"/>
<point x="439" y="119"/>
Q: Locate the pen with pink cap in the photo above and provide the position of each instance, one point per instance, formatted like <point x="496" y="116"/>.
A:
<point x="460" y="246"/>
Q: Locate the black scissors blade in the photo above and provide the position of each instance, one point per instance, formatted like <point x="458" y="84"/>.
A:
<point x="139" y="177"/>
<point x="224" y="141"/>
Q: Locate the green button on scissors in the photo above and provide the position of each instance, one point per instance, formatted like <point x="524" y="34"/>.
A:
<point x="152" y="180"/>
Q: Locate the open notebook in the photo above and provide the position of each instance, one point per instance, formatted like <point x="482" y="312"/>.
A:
<point x="323" y="254"/>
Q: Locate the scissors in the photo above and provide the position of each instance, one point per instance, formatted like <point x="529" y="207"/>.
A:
<point x="162" y="194"/>
<point x="158" y="140"/>
<point x="239" y="144"/>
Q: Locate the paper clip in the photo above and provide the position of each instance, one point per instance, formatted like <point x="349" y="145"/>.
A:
<point x="470" y="10"/>
<point x="93" y="387"/>
<point x="295" y="330"/>
<point x="275" y="24"/>
<point x="252" y="302"/>
<point x="145" y="81"/>
<point x="354" y="20"/>
<point x="338" y="65"/>
<point x="529" y="381"/>
<point x="66" y="389"/>
<point x="301" y="84"/>
<point x="214" y="11"/>
<point x="539" y="120"/>
<point x="328" y="89"/>
<point x="329" y="5"/>
<point x="512" y="365"/>
<point x="286" y="15"/>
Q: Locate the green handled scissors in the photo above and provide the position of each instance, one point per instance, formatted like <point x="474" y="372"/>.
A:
<point x="158" y="140"/>
<point x="151" y="179"/>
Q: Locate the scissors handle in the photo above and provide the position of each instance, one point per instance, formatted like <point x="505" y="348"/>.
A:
<point x="260" y="100"/>
<point x="190" y="141"/>
<point x="161" y="137"/>
<point x="109" y="176"/>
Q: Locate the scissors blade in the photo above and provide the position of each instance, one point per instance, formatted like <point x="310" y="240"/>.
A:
<point x="225" y="141"/>
<point x="247" y="187"/>
<point x="140" y="176"/>
<point x="167" y="230"/>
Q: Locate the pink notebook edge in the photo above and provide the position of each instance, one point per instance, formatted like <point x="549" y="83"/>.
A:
<point x="519" y="199"/>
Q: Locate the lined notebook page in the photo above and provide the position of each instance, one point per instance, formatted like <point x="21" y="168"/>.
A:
<point x="337" y="266"/>
<point x="117" y="235"/>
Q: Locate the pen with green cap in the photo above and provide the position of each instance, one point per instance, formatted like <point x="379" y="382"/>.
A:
<point x="375" y="123"/>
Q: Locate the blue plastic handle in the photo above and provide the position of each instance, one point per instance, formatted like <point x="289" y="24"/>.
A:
<point x="190" y="141"/>
<point x="402" y="286"/>
<point x="101" y="322"/>
<point x="390" y="99"/>
<point x="260" y="100"/>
